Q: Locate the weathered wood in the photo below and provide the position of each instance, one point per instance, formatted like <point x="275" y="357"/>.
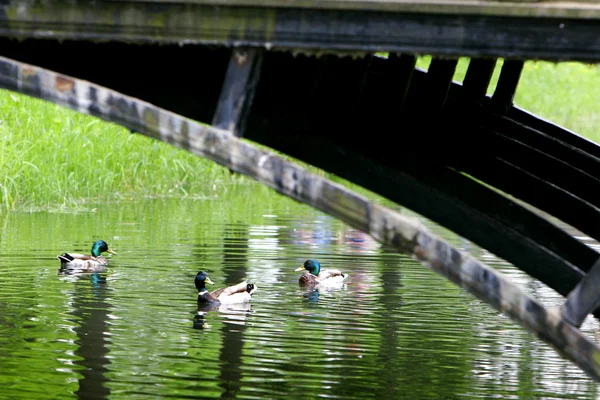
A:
<point x="551" y="169"/>
<point x="318" y="27"/>
<point x="533" y="8"/>
<point x="406" y="235"/>
<point x="585" y="298"/>
<point x="535" y="191"/>
<point x="477" y="80"/>
<point x="403" y="66"/>
<point x="396" y="90"/>
<point x="547" y="144"/>
<point x="508" y="81"/>
<point x="239" y="85"/>
<point x="439" y="79"/>
<point x="554" y="131"/>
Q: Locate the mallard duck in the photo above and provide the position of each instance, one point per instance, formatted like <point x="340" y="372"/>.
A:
<point x="84" y="261"/>
<point x="314" y="275"/>
<point x="240" y="293"/>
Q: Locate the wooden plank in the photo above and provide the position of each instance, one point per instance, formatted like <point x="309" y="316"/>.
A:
<point x="503" y="96"/>
<point x="589" y="9"/>
<point x="531" y="189"/>
<point x="554" y="131"/>
<point x="403" y="66"/>
<point x="239" y="85"/>
<point x="406" y="235"/>
<point x="477" y="79"/>
<point x="311" y="30"/>
<point x="543" y="142"/>
<point x="556" y="171"/>
<point x="439" y="79"/>
<point x="585" y="298"/>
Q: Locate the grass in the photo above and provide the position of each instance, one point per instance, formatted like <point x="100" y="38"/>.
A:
<point x="52" y="157"/>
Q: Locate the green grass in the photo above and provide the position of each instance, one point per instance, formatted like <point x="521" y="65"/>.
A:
<point x="52" y="157"/>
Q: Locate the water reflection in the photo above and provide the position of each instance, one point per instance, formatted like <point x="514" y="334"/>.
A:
<point x="393" y="330"/>
<point x="235" y="258"/>
<point x="91" y="311"/>
<point x="311" y="295"/>
<point x="236" y="314"/>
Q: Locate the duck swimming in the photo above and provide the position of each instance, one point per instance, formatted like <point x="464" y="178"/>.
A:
<point x="240" y="293"/>
<point x="84" y="261"/>
<point x="314" y="275"/>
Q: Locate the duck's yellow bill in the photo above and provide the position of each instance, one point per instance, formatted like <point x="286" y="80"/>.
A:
<point x="207" y="280"/>
<point x="300" y="268"/>
<point x="111" y="251"/>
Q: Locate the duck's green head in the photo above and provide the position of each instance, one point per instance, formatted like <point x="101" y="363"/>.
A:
<point x="201" y="280"/>
<point x="100" y="247"/>
<point x="311" y="266"/>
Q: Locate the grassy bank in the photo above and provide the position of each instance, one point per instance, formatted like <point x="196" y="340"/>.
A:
<point x="51" y="157"/>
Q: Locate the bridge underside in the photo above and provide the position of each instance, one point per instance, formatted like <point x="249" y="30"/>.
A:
<point x="401" y="132"/>
<point x="412" y="136"/>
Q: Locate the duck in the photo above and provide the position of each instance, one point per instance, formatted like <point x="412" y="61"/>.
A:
<point x="236" y="294"/>
<point x="314" y="275"/>
<point x="84" y="261"/>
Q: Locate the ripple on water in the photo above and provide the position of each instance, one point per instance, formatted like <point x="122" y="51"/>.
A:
<point x="393" y="330"/>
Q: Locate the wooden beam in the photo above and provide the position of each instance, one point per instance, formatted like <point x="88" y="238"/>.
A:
<point x="439" y="79"/>
<point x="318" y="29"/>
<point x="545" y="142"/>
<point x="557" y="132"/>
<point x="477" y="80"/>
<point x="585" y="298"/>
<point x="554" y="170"/>
<point x="529" y="188"/>
<point x="584" y="9"/>
<point x="503" y="96"/>
<point x="240" y="82"/>
<point x="406" y="235"/>
<point x="403" y="66"/>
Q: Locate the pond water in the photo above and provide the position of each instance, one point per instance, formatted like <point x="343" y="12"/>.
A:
<point x="394" y="330"/>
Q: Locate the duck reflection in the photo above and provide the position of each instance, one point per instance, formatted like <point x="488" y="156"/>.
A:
<point x="311" y="296"/>
<point x="313" y="292"/>
<point x="231" y="313"/>
<point x="91" y="311"/>
<point x="81" y="273"/>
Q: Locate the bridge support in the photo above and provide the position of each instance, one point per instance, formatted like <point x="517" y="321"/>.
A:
<point x="241" y="78"/>
<point x="585" y="298"/>
<point x="506" y="88"/>
<point x="477" y="80"/>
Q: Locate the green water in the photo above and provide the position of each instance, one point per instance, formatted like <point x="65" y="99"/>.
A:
<point x="395" y="330"/>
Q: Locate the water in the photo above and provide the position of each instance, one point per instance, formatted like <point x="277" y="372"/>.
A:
<point x="394" y="330"/>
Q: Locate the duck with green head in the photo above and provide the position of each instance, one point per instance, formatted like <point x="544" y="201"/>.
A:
<point x="84" y="261"/>
<point x="240" y="293"/>
<point x="315" y="275"/>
